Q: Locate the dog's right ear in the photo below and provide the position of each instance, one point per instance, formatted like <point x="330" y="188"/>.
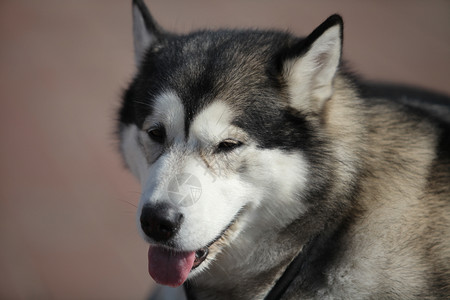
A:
<point x="309" y="67"/>
<point x="145" y="30"/>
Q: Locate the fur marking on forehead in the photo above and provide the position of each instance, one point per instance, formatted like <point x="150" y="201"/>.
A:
<point x="214" y="122"/>
<point x="168" y="110"/>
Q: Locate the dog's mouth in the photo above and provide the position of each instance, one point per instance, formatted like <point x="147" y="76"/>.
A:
<point x="200" y="256"/>
<point x="171" y="267"/>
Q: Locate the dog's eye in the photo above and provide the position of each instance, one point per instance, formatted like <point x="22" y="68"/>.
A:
<point x="228" y="145"/>
<point x="157" y="134"/>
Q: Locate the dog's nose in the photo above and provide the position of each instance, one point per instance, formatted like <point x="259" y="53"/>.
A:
<point x="160" y="222"/>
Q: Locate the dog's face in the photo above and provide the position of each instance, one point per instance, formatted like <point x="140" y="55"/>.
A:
<point x="209" y="127"/>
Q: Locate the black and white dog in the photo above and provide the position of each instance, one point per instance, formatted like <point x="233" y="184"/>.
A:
<point x="268" y="171"/>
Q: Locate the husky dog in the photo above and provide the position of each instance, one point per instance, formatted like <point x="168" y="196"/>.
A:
<point x="269" y="171"/>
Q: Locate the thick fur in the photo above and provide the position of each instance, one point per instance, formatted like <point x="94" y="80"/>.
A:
<point x="354" y="177"/>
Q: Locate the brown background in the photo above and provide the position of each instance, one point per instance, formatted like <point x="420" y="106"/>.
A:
<point x="67" y="226"/>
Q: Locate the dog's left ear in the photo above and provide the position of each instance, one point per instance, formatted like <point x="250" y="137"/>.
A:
<point x="309" y="67"/>
<point x="145" y="30"/>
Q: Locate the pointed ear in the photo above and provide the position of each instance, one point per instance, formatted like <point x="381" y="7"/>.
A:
<point x="310" y="66"/>
<point x="145" y="30"/>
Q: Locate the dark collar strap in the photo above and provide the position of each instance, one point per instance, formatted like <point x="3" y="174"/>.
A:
<point x="188" y="291"/>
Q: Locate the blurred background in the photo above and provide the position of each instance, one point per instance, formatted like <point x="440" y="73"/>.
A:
<point x="67" y="205"/>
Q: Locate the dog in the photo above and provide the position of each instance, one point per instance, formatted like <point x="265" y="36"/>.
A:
<point x="270" y="171"/>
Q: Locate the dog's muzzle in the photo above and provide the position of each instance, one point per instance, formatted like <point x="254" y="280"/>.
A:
<point x="160" y="222"/>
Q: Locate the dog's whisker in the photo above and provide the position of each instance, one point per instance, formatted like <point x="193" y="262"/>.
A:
<point x="128" y="202"/>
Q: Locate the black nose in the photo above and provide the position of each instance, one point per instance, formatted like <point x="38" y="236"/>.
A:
<point x="160" y="221"/>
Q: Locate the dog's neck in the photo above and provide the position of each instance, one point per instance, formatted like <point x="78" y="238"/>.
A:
<point x="233" y="275"/>
<point x="303" y="263"/>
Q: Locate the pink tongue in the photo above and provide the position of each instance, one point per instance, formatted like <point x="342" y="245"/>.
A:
<point x="169" y="268"/>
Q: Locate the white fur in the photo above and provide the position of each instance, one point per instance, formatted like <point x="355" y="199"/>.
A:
<point x="273" y="177"/>
<point x="168" y="110"/>
<point x="133" y="154"/>
<point x="213" y="124"/>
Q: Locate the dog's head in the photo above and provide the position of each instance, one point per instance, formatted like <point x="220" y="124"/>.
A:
<point x="218" y="125"/>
